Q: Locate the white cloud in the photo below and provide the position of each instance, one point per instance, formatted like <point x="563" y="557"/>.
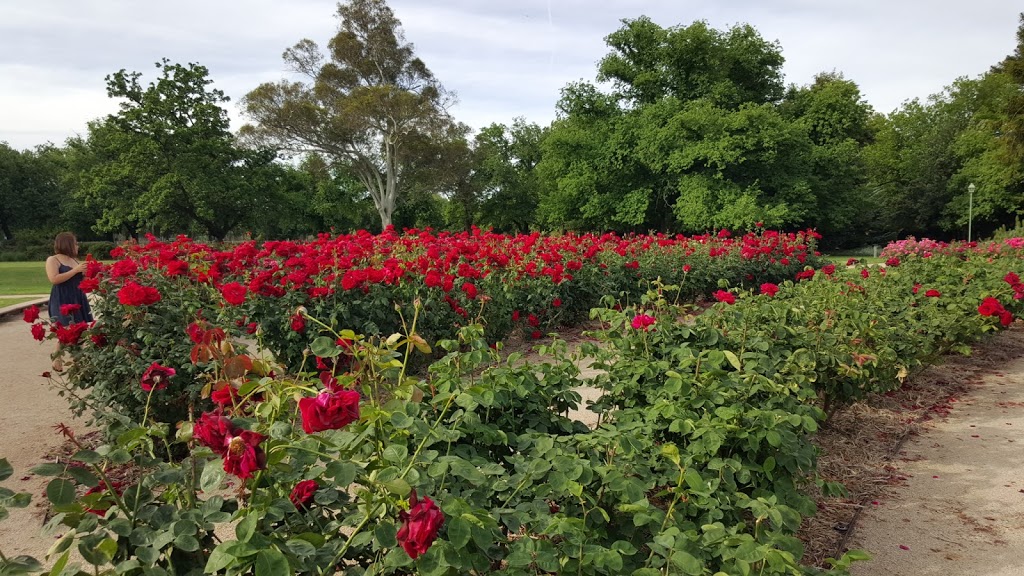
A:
<point x="503" y="58"/>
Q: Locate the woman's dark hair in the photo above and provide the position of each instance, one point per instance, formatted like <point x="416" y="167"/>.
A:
<point x="64" y="244"/>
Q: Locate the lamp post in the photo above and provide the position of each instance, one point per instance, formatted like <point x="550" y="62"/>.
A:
<point x="970" y="209"/>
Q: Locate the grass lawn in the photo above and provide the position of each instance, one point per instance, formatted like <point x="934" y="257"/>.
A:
<point x="5" y="302"/>
<point x="23" y="278"/>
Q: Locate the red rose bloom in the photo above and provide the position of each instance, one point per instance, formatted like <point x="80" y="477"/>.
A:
<point x="532" y="320"/>
<point x="1011" y="278"/>
<point x="244" y="455"/>
<point x="642" y="322"/>
<point x="723" y="296"/>
<point x="828" y="269"/>
<point x="70" y="335"/>
<point x="99" y="340"/>
<point x="302" y="494"/>
<point x="990" y="307"/>
<point x="864" y="273"/>
<point x="769" y="289"/>
<point x="298" y="323"/>
<point x="470" y="289"/>
<point x="536" y="335"/>
<point x="917" y="287"/>
<point x="31" y="314"/>
<point x="213" y="431"/>
<point x="69" y="309"/>
<point x="133" y="294"/>
<point x="892" y="262"/>
<point x="556" y="303"/>
<point x="234" y="293"/>
<point x="89" y="284"/>
<point x="38" y="332"/>
<point x="1005" y="318"/>
<point x="330" y="410"/>
<point x="932" y="294"/>
<point x="156" y="376"/>
<point x="421" y="524"/>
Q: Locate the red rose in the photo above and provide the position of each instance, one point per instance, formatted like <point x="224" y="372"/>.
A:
<point x="302" y="494"/>
<point x="244" y="455"/>
<point x="536" y="335"/>
<point x="917" y="287"/>
<point x="89" y="284"/>
<point x="251" y="327"/>
<point x="556" y="303"/>
<point x="686" y="268"/>
<point x="723" y="296"/>
<point x="213" y="431"/>
<point x="515" y="315"/>
<point x="69" y="309"/>
<point x="642" y="322"/>
<point x="470" y="289"/>
<point x="1005" y="318"/>
<point x="70" y="335"/>
<point x="932" y="294"/>
<point x="532" y="320"/>
<point x="133" y="294"/>
<point x="234" y="293"/>
<point x="156" y="376"/>
<point x="38" y="332"/>
<point x="124" y="268"/>
<point x="1011" y="278"/>
<point x="99" y="340"/>
<point x="851" y="261"/>
<point x="990" y="307"/>
<point x="421" y="525"/>
<point x="828" y="269"/>
<point x="864" y="273"/>
<point x="298" y="323"/>
<point x="31" y="314"/>
<point x="892" y="262"/>
<point x="769" y="289"/>
<point x="330" y="410"/>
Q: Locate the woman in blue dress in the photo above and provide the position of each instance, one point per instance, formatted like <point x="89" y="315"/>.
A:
<point x="65" y="272"/>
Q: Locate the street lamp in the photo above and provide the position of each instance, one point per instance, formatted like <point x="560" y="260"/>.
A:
<point x="970" y="209"/>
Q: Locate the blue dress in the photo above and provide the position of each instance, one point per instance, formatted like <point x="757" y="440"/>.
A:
<point x="68" y="292"/>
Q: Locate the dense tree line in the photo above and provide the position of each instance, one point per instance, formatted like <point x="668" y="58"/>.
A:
<point x="686" y="129"/>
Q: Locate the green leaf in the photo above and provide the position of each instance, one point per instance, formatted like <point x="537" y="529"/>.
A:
<point x="83" y="476"/>
<point x="61" y="562"/>
<point x="459" y="532"/>
<point x="20" y="565"/>
<point x="147" y="555"/>
<point x="731" y="357"/>
<point x="386" y="533"/>
<point x="212" y="476"/>
<point x="687" y="563"/>
<point x="270" y="562"/>
<point x="60" y="492"/>
<point x="87" y="457"/>
<point x="49" y="469"/>
<point x="246" y="528"/>
<point x="694" y="481"/>
<point x="325" y="347"/>
<point x="5" y="469"/>
<point x="186" y="543"/>
<point x="398" y="487"/>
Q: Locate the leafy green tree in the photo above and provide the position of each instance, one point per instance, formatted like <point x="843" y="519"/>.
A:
<point x="370" y="105"/>
<point x="30" y="190"/>
<point x="505" y="160"/>
<point x="167" y="160"/>
<point x="690" y="137"/>
<point x="838" y="122"/>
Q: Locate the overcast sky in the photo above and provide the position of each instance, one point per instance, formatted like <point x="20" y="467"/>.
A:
<point x="503" y="58"/>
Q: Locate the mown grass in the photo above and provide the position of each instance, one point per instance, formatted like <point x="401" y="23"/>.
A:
<point x="5" y="302"/>
<point x="17" y="278"/>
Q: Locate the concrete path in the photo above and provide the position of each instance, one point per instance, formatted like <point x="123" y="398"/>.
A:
<point x="29" y="410"/>
<point x="961" y="512"/>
